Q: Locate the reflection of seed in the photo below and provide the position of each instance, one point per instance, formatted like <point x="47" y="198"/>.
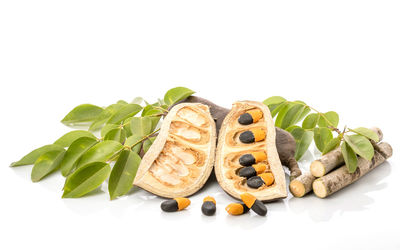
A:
<point x="237" y="209"/>
<point x="208" y="208"/>
<point x="252" y="135"/>
<point x="175" y="204"/>
<point x="250" y="117"/>
<point x="256" y="205"/>
<point x="252" y="158"/>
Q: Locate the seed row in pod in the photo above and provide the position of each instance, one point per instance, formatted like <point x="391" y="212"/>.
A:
<point x="252" y="158"/>
<point x="252" y="135"/>
<point x="251" y="116"/>
<point x="261" y="179"/>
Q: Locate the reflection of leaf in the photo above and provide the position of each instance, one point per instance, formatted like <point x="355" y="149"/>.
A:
<point x="46" y="164"/>
<point x="81" y="114"/>
<point x="34" y="155"/>
<point x="70" y="137"/>
<point x="86" y="179"/>
<point x="350" y="158"/>
<point x="123" y="173"/>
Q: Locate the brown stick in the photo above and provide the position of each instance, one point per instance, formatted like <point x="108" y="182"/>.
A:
<point x="333" y="159"/>
<point x="341" y="177"/>
<point x="301" y="185"/>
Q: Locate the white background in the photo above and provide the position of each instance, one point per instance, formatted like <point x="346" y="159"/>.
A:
<point x="334" y="55"/>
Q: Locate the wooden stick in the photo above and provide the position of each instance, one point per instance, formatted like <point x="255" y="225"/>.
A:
<point x="333" y="159"/>
<point x="301" y="185"/>
<point x="341" y="177"/>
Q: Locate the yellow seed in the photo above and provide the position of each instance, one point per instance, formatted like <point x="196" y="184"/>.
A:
<point x="248" y="199"/>
<point x="259" y="134"/>
<point x="268" y="178"/>
<point x="259" y="156"/>
<point x="234" y="209"/>
<point x="209" y="198"/>
<point x="182" y="202"/>
<point x="256" y="114"/>
<point x="260" y="167"/>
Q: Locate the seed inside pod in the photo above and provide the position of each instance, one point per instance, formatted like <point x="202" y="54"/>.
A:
<point x="237" y="209"/>
<point x="252" y="158"/>
<point x="175" y="204"/>
<point x="256" y="205"/>
<point x="251" y="116"/>
<point x="252" y="135"/>
<point x="208" y="208"/>
<point x="255" y="182"/>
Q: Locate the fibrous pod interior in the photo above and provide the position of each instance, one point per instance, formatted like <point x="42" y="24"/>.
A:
<point x="234" y="153"/>
<point x="181" y="158"/>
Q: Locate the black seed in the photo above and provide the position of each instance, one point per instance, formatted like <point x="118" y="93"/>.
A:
<point x="247" y="160"/>
<point x="208" y="208"/>
<point x="245" y="119"/>
<point x="247" y="172"/>
<point x="255" y="182"/>
<point x="259" y="208"/>
<point x="247" y="137"/>
<point x="169" y="206"/>
<point x="245" y="208"/>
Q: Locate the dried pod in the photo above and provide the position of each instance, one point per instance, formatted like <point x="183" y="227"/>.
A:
<point x="233" y="154"/>
<point x="181" y="158"/>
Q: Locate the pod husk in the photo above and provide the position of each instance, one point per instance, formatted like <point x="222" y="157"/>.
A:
<point x="158" y="158"/>
<point x="233" y="184"/>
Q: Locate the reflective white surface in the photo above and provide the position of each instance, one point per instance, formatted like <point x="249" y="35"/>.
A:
<point x="54" y="55"/>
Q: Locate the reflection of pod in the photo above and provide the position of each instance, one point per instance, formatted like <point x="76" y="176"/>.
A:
<point x="181" y="158"/>
<point x="232" y="154"/>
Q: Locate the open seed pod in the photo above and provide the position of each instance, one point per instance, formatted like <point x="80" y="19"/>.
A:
<point x="247" y="152"/>
<point x="181" y="158"/>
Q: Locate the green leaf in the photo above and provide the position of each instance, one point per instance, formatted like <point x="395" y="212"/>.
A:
<point x="141" y="126"/>
<point x="311" y="121"/>
<point x="34" y="155"/>
<point x="117" y="134"/>
<point x="147" y="144"/>
<point x="292" y="115"/>
<point x="46" y="164"/>
<point x="86" y="179"/>
<point x="70" y="137"/>
<point x="125" y="112"/>
<point x="105" y="116"/>
<point x="361" y="145"/>
<point x="282" y="114"/>
<point x="330" y="118"/>
<point x="322" y="136"/>
<point x="303" y="140"/>
<point x="332" y="144"/>
<point x="123" y="174"/>
<point x="82" y="114"/>
<point x="177" y="94"/>
<point x="273" y="100"/>
<point x="137" y="100"/>
<point x="100" y="152"/>
<point x="367" y="133"/>
<point x="350" y="157"/>
<point x="107" y="128"/>
<point x="74" y="153"/>
<point x="134" y="140"/>
<point x="291" y="128"/>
